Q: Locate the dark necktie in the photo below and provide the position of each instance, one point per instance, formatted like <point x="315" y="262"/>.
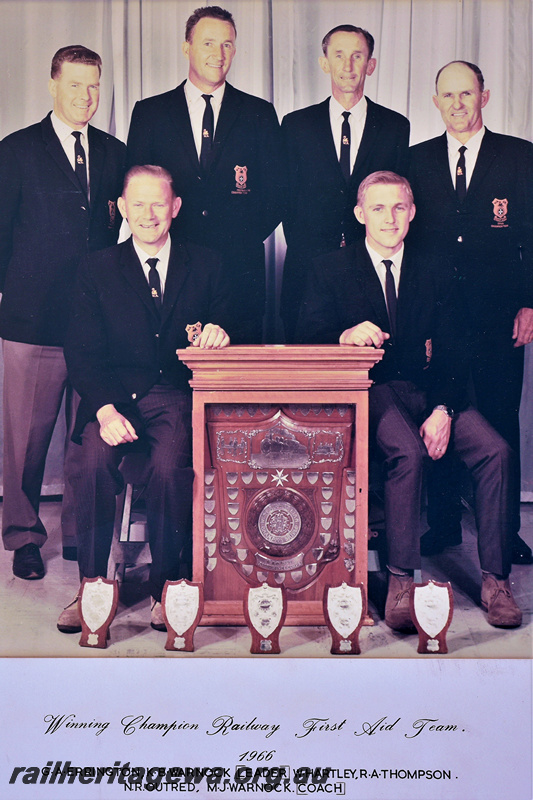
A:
<point x="390" y="294"/>
<point x="344" y="159"/>
<point x="460" y="176"/>
<point x="80" y="162"/>
<point x="208" y="124"/>
<point x="154" y="282"/>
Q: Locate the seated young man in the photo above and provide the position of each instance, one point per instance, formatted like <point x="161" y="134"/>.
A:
<point x="380" y="292"/>
<point x="132" y="306"/>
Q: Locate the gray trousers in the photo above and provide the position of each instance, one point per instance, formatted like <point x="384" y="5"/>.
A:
<point x="35" y="381"/>
<point x="397" y="409"/>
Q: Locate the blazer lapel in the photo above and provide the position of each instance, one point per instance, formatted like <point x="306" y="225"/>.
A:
<point x="178" y="270"/>
<point x="407" y="292"/>
<point x="181" y="122"/>
<point x="229" y="112"/>
<point x="96" y="161"/>
<point x="369" y="137"/>
<point x="441" y="165"/>
<point x="324" y="138"/>
<point x="487" y="154"/>
<point x="370" y="286"/>
<point x="134" y="275"/>
<point x="55" y="150"/>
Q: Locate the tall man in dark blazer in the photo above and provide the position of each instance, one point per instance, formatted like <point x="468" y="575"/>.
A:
<point x="378" y="292"/>
<point x="328" y="149"/>
<point x="132" y="306"/>
<point x="222" y="148"/>
<point x="60" y="182"/>
<point x="474" y="194"/>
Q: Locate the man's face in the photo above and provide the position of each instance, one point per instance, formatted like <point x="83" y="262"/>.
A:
<point x="210" y="53"/>
<point x="348" y="64"/>
<point x="460" y="100"/>
<point x="149" y="207"/>
<point x="76" y="91"/>
<point x="386" y="213"/>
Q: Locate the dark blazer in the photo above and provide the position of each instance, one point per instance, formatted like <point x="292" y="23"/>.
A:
<point x="215" y="211"/>
<point x="344" y="290"/>
<point x="46" y="226"/>
<point x="493" y="258"/>
<point x="117" y="348"/>
<point x="320" y="204"/>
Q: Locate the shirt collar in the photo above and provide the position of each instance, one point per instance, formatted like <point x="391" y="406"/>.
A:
<point x="162" y="254"/>
<point x="357" y="111"/>
<point x="193" y="93"/>
<point x="377" y="258"/>
<point x="63" y="131"/>
<point x="472" y="146"/>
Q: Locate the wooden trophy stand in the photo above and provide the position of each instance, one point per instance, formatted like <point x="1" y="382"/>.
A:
<point x="280" y="456"/>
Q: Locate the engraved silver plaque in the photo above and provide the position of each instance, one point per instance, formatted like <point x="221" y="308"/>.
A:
<point x="279" y="522"/>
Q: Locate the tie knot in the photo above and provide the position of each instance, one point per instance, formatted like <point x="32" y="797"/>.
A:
<point x="346" y="114"/>
<point x="77" y="135"/>
<point x="462" y="149"/>
<point x="207" y="98"/>
<point x="152" y="262"/>
<point x="388" y="264"/>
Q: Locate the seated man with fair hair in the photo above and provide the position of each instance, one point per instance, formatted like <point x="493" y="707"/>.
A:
<point x="380" y="292"/>
<point x="130" y="312"/>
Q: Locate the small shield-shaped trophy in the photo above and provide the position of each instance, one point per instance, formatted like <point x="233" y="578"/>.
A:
<point x="431" y="607"/>
<point x="265" y="609"/>
<point x="97" y="605"/>
<point x="182" y="605"/>
<point x="344" y="612"/>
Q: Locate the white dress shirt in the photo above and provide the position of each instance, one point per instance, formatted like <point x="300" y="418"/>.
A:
<point x="356" y="120"/>
<point x="471" y="154"/>
<point x="381" y="269"/>
<point x="162" y="265"/>
<point x="64" y="134"/>
<point x="196" y="105"/>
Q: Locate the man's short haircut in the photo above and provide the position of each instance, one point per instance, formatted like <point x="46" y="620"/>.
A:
<point x="75" y="54"/>
<point x="214" y="12"/>
<point x="149" y="169"/>
<point x="383" y="178"/>
<point x="349" y="29"/>
<point x="475" y="69"/>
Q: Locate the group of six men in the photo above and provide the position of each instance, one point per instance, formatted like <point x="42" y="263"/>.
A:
<point x="210" y="176"/>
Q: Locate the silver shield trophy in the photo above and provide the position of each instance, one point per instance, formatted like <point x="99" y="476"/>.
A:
<point x="344" y="612"/>
<point x="97" y="604"/>
<point x="182" y="604"/>
<point x="265" y="608"/>
<point x="431" y="607"/>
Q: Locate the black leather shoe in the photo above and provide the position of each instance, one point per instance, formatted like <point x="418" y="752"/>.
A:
<point x="70" y="553"/>
<point x="520" y="552"/>
<point x="27" y="563"/>
<point x="434" y="542"/>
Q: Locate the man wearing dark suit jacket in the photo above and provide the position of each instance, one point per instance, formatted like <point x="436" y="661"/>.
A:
<point x="221" y="147"/>
<point x="328" y="149"/>
<point x="378" y="292"/>
<point x="474" y="193"/>
<point x="60" y="182"/>
<point x="132" y="306"/>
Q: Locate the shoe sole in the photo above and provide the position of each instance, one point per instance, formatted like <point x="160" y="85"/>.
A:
<point x="157" y="627"/>
<point x="69" y="628"/>
<point x="33" y="576"/>
<point x="485" y="607"/>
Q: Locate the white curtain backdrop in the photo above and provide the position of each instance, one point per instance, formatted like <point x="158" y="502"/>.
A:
<point x="278" y="45"/>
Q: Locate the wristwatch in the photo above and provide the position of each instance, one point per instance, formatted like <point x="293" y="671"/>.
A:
<point x="447" y="410"/>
